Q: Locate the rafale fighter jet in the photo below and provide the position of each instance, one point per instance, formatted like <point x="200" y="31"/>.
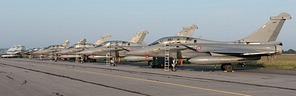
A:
<point x="115" y="48"/>
<point x="260" y="43"/>
<point x="50" y="49"/>
<point x="186" y="31"/>
<point x="80" y="46"/>
<point x="15" y="51"/>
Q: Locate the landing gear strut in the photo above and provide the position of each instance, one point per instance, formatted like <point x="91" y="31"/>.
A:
<point x="174" y="65"/>
<point x="150" y="63"/>
<point x="226" y="67"/>
<point x="112" y="62"/>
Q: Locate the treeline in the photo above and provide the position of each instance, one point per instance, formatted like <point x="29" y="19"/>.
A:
<point x="290" y="51"/>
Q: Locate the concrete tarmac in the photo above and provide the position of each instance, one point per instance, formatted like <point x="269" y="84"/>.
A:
<point x="24" y="77"/>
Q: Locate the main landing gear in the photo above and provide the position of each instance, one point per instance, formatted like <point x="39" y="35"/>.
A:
<point x="174" y="67"/>
<point x="158" y="62"/>
<point x="227" y="67"/>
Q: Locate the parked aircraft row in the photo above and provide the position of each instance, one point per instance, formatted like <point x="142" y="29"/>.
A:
<point x="169" y="51"/>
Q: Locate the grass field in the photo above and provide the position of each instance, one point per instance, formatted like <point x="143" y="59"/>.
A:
<point x="287" y="62"/>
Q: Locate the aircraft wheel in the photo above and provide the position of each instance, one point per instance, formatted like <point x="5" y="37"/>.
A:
<point x="174" y="69"/>
<point x="149" y="63"/>
<point x="226" y="67"/>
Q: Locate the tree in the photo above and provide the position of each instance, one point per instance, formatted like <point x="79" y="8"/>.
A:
<point x="290" y="51"/>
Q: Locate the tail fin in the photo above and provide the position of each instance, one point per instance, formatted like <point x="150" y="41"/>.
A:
<point x="187" y="30"/>
<point x="81" y="42"/>
<point x="103" y="39"/>
<point x="269" y="31"/>
<point x="139" y="37"/>
<point x="66" y="43"/>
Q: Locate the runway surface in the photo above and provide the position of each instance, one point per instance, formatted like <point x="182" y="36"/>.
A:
<point x="24" y="77"/>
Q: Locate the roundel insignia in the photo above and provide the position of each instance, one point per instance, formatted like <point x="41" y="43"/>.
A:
<point x="198" y="47"/>
<point x="130" y="49"/>
<point x="93" y="54"/>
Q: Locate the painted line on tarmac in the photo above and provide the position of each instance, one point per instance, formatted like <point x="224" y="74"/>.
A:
<point x="152" y="81"/>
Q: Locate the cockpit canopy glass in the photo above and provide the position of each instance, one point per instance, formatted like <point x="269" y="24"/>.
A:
<point x="171" y="40"/>
<point x="113" y="43"/>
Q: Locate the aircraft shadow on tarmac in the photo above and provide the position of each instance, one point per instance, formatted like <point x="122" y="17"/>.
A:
<point x="190" y="67"/>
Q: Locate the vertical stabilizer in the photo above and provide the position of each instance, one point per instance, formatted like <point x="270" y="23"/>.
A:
<point x="269" y="31"/>
<point x="139" y="37"/>
<point x="65" y="43"/>
<point x="187" y="30"/>
<point x="81" y="42"/>
<point x="103" y="39"/>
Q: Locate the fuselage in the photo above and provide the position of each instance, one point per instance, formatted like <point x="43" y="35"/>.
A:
<point x="113" y="48"/>
<point x="188" y="47"/>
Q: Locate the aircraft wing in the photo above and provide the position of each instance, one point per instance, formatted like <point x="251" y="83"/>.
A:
<point x="233" y="51"/>
<point x="245" y="52"/>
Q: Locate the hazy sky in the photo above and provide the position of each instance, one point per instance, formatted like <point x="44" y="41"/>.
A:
<point x="40" y="23"/>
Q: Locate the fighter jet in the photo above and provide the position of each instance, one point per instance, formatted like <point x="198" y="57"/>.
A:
<point x="47" y="51"/>
<point x="200" y="51"/>
<point x="81" y="45"/>
<point x="15" y="51"/>
<point x="180" y="37"/>
<point x="115" y="49"/>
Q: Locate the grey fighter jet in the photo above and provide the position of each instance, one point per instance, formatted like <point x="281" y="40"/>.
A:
<point x="115" y="48"/>
<point x="180" y="37"/>
<point x="45" y="52"/>
<point x="260" y="43"/>
<point x="81" y="45"/>
<point x="15" y="51"/>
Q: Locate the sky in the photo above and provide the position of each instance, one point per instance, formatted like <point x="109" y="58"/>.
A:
<point x="40" y="23"/>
